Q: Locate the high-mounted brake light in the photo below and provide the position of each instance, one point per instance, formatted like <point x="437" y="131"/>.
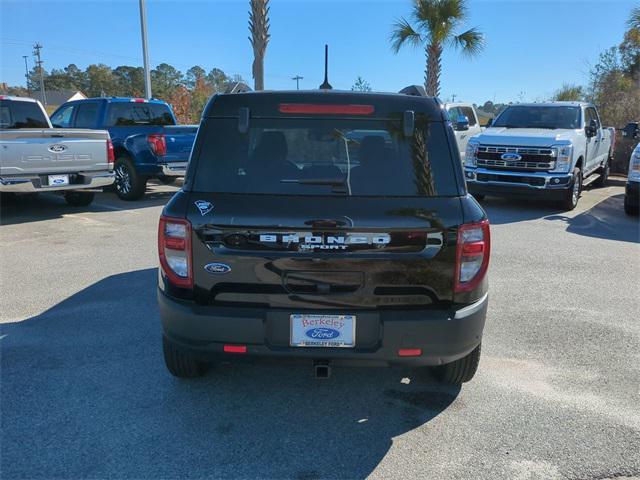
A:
<point x="319" y="109"/>
<point x="472" y="255"/>
<point x="157" y="143"/>
<point x="111" y="157"/>
<point x="174" y="250"/>
<point x="139" y="100"/>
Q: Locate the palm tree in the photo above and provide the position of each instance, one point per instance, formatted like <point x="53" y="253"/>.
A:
<point x="259" y="28"/>
<point x="434" y="25"/>
<point x="634" y="18"/>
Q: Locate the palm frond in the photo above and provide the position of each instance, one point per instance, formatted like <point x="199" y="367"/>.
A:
<point x="403" y="33"/>
<point x="634" y="18"/>
<point x="470" y="43"/>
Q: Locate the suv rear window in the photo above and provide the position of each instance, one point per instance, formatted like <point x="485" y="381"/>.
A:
<point x="133" y="113"/>
<point x="325" y="157"/>
<point x="19" y="114"/>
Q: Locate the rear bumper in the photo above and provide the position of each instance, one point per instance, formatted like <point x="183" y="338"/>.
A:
<point x="174" y="169"/>
<point x="38" y="183"/>
<point x="443" y="335"/>
<point x="495" y="182"/>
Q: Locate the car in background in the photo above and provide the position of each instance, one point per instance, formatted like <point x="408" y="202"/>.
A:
<point x="549" y="150"/>
<point x="147" y="141"/>
<point x="632" y="188"/>
<point x="466" y="124"/>
<point x="35" y="157"/>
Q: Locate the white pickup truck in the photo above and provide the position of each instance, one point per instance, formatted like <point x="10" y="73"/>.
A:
<point x="547" y="149"/>
<point x="34" y="157"/>
<point x="466" y="124"/>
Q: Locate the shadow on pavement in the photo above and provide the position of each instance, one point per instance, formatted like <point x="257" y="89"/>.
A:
<point x="85" y="394"/>
<point x="16" y="209"/>
<point x="503" y="210"/>
<point x="605" y="220"/>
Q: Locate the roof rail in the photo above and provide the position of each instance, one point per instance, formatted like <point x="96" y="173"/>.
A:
<point x="414" y="90"/>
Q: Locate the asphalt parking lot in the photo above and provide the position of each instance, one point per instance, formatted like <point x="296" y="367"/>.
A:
<point x="85" y="394"/>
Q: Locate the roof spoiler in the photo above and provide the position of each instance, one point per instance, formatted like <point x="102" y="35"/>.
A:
<point x="414" y="90"/>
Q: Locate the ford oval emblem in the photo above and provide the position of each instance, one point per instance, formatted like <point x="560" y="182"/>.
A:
<point x="217" y="268"/>
<point x="57" y="148"/>
<point x="322" y="333"/>
<point x="58" y="181"/>
<point x="511" y="157"/>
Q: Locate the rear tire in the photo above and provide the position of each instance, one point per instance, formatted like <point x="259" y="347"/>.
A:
<point x="572" y="195"/>
<point x="631" y="210"/>
<point x="166" y="180"/>
<point x="129" y="184"/>
<point x="601" y="181"/>
<point x="79" y="199"/>
<point x="182" y="364"/>
<point x="460" y="371"/>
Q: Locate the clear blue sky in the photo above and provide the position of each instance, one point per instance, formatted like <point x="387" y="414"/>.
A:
<point x="532" y="46"/>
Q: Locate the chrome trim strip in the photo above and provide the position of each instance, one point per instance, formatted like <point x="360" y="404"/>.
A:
<point x="473" y="308"/>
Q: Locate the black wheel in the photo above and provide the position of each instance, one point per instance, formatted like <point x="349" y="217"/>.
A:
<point x="478" y="196"/>
<point x="629" y="209"/>
<point x="460" y="371"/>
<point x="128" y="183"/>
<point x="601" y="181"/>
<point x="79" y="199"/>
<point x="182" y="364"/>
<point x="572" y="195"/>
<point x="166" y="180"/>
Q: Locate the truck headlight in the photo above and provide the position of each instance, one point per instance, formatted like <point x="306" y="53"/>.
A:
<point x="634" y="166"/>
<point x="564" y="158"/>
<point x="470" y="154"/>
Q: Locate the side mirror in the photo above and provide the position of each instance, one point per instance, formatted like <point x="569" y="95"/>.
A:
<point x="592" y="129"/>
<point x="631" y="130"/>
<point x="462" y="124"/>
<point x="490" y="122"/>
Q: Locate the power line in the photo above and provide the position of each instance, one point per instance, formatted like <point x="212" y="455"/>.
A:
<point x="36" y="52"/>
<point x="297" y="78"/>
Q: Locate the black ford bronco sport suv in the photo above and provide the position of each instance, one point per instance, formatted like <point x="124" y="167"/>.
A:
<point x="329" y="226"/>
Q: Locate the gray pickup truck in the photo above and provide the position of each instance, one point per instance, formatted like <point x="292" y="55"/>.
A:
<point x="34" y="157"/>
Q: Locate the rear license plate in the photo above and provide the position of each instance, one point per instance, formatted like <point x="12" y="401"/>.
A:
<point x="323" y="330"/>
<point x="58" y="180"/>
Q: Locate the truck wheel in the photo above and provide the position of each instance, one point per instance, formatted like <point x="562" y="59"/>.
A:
<point x="460" y="371"/>
<point x="128" y="183"/>
<point x="166" y="180"/>
<point x="79" y="199"/>
<point x="181" y="364"/>
<point x="601" y="181"/>
<point x="572" y="195"/>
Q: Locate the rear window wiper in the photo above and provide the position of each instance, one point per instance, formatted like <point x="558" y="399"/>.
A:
<point x="334" y="182"/>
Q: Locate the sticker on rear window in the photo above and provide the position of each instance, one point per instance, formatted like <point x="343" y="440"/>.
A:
<point x="204" y="206"/>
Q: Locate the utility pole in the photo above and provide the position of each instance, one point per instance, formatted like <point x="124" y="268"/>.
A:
<point x="26" y="73"/>
<point x="297" y="78"/>
<point x="453" y="98"/>
<point x="145" y="53"/>
<point x="36" y="52"/>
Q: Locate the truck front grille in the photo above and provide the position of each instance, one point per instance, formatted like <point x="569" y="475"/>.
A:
<point x="531" y="159"/>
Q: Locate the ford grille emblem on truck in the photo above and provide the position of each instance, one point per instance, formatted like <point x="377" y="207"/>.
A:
<point x="217" y="268"/>
<point x="57" y="148"/>
<point x="203" y="206"/>
<point x="511" y="157"/>
<point x="327" y="242"/>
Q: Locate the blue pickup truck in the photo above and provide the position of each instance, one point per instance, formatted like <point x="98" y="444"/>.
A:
<point x="147" y="141"/>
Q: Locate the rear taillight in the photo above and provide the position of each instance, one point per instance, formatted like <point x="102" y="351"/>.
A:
<point x="472" y="255"/>
<point x="158" y="144"/>
<point x="111" y="157"/>
<point x="174" y="249"/>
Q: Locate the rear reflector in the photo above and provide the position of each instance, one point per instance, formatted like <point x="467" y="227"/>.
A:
<point x="409" y="352"/>
<point x="235" y="348"/>
<point x="320" y="109"/>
